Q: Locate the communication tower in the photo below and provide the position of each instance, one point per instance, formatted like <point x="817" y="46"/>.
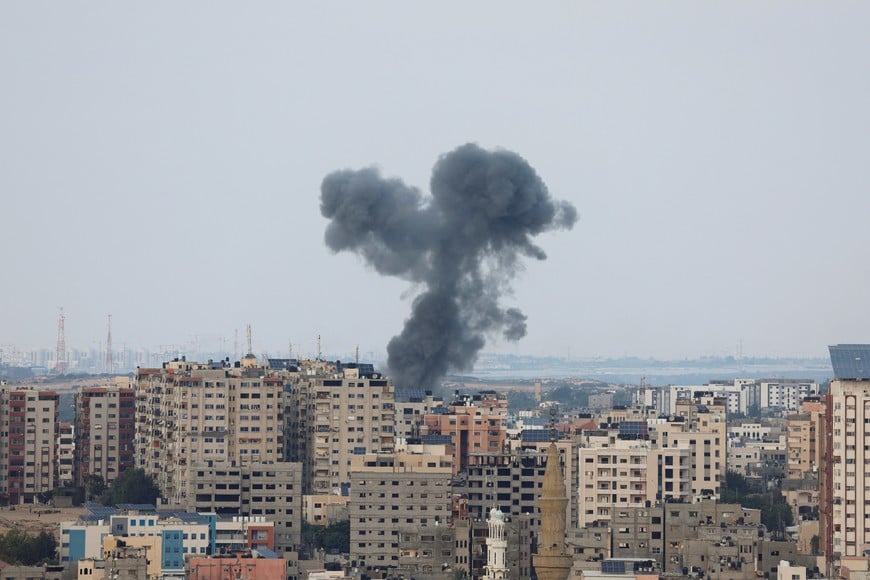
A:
<point x="60" y="356"/>
<point x="110" y="359"/>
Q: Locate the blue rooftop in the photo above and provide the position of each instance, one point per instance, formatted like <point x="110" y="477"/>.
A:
<point x="850" y="361"/>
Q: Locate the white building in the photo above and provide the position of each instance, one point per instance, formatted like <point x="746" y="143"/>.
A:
<point x="786" y="393"/>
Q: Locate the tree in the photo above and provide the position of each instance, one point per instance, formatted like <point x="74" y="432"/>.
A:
<point x="17" y="547"/>
<point x="95" y="486"/>
<point x="334" y="537"/>
<point x="776" y="514"/>
<point x="132" y="486"/>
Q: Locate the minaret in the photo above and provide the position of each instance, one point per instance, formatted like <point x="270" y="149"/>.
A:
<point x="496" y="547"/>
<point x="552" y="562"/>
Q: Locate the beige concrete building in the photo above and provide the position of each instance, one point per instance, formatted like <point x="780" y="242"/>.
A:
<point x="616" y="473"/>
<point x="847" y="501"/>
<point x="804" y="434"/>
<point x="347" y="414"/>
<point x="269" y="490"/>
<point x="325" y="509"/>
<point x="28" y="441"/>
<point x="700" y="428"/>
<point x="396" y="498"/>
<point x="786" y="571"/>
<point x="65" y="454"/>
<point x="105" y="422"/>
<point x="195" y="414"/>
<point x="411" y="410"/>
<point x="744" y="459"/>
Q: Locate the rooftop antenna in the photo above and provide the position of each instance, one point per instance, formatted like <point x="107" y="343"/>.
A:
<point x="290" y="349"/>
<point x="250" y="342"/>
<point x="60" y="355"/>
<point x="236" y="346"/>
<point x="357" y="355"/>
<point x="110" y="362"/>
<point x="319" y="353"/>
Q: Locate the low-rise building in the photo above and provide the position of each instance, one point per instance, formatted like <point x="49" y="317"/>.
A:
<point x="256" y="564"/>
<point x="323" y="509"/>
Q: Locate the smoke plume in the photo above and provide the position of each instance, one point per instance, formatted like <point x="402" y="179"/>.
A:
<point x="462" y="245"/>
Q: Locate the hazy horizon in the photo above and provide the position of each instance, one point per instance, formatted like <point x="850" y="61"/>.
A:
<point x="163" y="163"/>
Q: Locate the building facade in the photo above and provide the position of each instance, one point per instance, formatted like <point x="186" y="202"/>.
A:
<point x="28" y="465"/>
<point x="105" y="426"/>
<point x="396" y="497"/>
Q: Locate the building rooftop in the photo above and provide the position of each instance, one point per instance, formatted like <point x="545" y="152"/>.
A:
<point x="850" y="361"/>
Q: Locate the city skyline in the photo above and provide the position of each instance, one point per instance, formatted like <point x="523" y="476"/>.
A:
<point x="165" y="167"/>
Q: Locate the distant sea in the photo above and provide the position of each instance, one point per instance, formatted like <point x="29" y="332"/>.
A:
<point x="655" y="372"/>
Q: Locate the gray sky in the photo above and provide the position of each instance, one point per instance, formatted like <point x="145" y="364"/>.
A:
<point x="162" y="162"/>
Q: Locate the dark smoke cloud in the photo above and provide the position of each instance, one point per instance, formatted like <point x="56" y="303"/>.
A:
<point x="463" y="244"/>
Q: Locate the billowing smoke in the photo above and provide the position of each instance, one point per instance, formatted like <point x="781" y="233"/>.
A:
<point x="462" y="246"/>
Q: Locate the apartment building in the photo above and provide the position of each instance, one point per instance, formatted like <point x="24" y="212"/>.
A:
<point x="805" y="438"/>
<point x="511" y="481"/>
<point x="411" y="409"/>
<point x="475" y="423"/>
<point x="349" y="413"/>
<point x="66" y="445"/>
<point x="537" y="441"/>
<point x="720" y="539"/>
<point x="748" y="431"/>
<point x="28" y="465"/>
<point x="189" y="413"/>
<point x="396" y="498"/>
<point x="738" y="396"/>
<point x="847" y="499"/>
<point x="844" y="511"/>
<point x="105" y="425"/>
<point x="322" y="509"/>
<point x="252" y="490"/>
<point x="617" y="474"/>
<point x="698" y="426"/>
<point x="786" y="394"/>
